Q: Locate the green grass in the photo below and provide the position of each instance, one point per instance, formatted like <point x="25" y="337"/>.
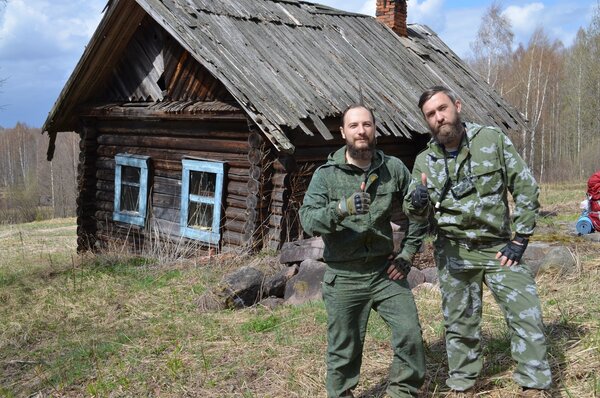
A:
<point x="127" y="326"/>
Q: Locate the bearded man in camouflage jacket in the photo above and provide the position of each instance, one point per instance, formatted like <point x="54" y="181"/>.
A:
<point x="461" y="182"/>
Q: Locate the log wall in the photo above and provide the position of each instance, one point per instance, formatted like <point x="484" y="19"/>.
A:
<point x="167" y="144"/>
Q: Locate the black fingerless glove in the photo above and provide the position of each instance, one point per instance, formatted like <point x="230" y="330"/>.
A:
<point x="419" y="197"/>
<point x="402" y="265"/>
<point x="515" y="248"/>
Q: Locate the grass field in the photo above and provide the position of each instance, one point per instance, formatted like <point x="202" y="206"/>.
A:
<point x="116" y="325"/>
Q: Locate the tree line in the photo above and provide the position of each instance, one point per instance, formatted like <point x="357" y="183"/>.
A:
<point x="31" y="188"/>
<point x="556" y="88"/>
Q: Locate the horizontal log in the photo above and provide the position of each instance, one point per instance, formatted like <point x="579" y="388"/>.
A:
<point x="255" y="172"/>
<point x="166" y="200"/>
<point x="176" y="143"/>
<point x="235" y="160"/>
<point x="165" y="213"/>
<point x="241" y="240"/>
<point x="253" y="186"/>
<point x="281" y="179"/>
<point x="255" y="140"/>
<point x="254" y="202"/>
<point x="235" y="130"/>
<point x="235" y="226"/>
<point x="281" y="195"/>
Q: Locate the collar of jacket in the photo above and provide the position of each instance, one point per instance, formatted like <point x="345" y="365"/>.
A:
<point x="338" y="158"/>
<point x="436" y="150"/>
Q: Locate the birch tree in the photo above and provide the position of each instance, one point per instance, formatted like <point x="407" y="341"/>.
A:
<point x="493" y="45"/>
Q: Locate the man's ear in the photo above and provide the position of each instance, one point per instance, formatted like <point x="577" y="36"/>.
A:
<point x="342" y="131"/>
<point x="458" y="105"/>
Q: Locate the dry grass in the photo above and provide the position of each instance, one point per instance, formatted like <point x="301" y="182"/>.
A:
<point x="128" y="326"/>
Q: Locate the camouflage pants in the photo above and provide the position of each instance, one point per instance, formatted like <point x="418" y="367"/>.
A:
<point x="462" y="273"/>
<point x="349" y="299"/>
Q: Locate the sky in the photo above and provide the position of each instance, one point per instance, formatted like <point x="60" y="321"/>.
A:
<point x="41" y="41"/>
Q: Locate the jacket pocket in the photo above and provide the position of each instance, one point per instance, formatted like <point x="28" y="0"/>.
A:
<point x="488" y="178"/>
<point x="329" y="278"/>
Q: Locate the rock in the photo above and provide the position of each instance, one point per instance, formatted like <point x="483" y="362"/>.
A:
<point x="535" y="254"/>
<point x="426" y="286"/>
<point x="306" y="284"/>
<point x="271" y="302"/>
<point x="559" y="260"/>
<point x="275" y="285"/>
<point x="431" y="275"/>
<point x="536" y="251"/>
<point x="300" y="250"/>
<point x="415" y="277"/>
<point x="241" y="288"/>
<point x="594" y="237"/>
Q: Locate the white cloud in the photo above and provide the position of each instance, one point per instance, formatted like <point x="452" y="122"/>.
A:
<point x="35" y="29"/>
<point x="523" y="18"/>
<point x="40" y="43"/>
<point x="427" y="12"/>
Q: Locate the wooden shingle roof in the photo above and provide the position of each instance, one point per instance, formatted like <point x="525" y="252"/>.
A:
<point x="291" y="64"/>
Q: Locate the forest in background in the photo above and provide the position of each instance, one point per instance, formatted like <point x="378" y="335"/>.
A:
<point x="31" y="188"/>
<point x="557" y="89"/>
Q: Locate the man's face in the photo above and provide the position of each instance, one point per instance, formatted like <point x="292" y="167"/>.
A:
<point x="443" y="117"/>
<point x="359" y="132"/>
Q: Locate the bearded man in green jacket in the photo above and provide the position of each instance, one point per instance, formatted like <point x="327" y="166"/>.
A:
<point x="461" y="181"/>
<point x="349" y="204"/>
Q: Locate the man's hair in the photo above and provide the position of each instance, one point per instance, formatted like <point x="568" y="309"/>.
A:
<point x="430" y="92"/>
<point x="354" y="106"/>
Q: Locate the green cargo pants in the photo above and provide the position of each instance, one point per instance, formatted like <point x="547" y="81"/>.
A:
<point x="461" y="272"/>
<point x="349" y="297"/>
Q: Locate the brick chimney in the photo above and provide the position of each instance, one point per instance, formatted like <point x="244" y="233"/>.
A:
<point x="393" y="14"/>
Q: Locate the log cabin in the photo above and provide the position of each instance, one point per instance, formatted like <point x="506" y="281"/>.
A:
<point x="203" y="120"/>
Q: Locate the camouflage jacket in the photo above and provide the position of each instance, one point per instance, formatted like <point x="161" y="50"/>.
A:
<point x="477" y="211"/>
<point x="365" y="238"/>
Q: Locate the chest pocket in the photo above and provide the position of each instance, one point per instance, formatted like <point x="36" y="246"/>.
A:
<point x="488" y="176"/>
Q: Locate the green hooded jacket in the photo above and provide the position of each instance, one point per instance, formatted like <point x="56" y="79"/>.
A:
<point x="475" y="210"/>
<point x="364" y="238"/>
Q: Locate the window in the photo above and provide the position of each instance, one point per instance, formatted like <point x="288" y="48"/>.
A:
<point x="131" y="188"/>
<point x="201" y="198"/>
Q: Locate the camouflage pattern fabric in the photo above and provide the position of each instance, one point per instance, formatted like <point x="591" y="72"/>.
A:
<point x="358" y="239"/>
<point x="357" y="248"/>
<point x="471" y="225"/>
<point x="348" y="300"/>
<point x="494" y="167"/>
<point x="461" y="273"/>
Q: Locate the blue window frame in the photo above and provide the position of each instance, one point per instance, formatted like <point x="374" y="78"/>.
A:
<point x="131" y="188"/>
<point x="201" y="199"/>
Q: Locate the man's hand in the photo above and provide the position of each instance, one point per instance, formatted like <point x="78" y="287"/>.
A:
<point x="512" y="253"/>
<point x="420" y="196"/>
<point x="357" y="203"/>
<point x="399" y="267"/>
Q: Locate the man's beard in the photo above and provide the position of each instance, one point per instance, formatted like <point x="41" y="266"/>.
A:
<point x="454" y="132"/>
<point x="361" y="153"/>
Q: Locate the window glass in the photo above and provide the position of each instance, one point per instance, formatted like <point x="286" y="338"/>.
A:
<point x="202" y="183"/>
<point x="201" y="216"/>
